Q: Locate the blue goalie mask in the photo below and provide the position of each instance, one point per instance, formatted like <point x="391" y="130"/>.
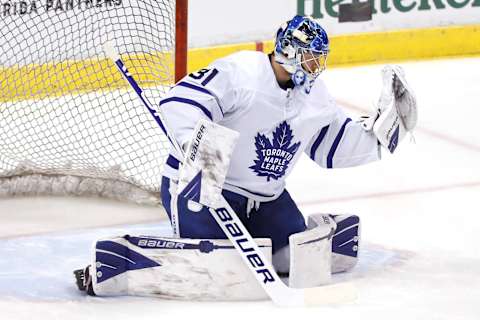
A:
<point x="301" y="47"/>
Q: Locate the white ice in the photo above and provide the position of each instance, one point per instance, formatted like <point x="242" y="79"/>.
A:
<point x="420" y="213"/>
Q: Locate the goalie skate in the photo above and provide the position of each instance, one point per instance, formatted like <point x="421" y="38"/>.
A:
<point x="84" y="280"/>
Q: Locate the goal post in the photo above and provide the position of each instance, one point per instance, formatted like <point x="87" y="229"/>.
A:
<point x="181" y="39"/>
<point x="68" y="123"/>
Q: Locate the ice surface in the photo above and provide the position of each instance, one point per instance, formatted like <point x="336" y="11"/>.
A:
<point x="420" y="213"/>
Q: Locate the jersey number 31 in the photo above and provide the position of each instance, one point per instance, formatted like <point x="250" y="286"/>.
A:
<point x="200" y="74"/>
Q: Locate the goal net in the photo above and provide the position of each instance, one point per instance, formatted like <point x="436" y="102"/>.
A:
<point x="68" y="123"/>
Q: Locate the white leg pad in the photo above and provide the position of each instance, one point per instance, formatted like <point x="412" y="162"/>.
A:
<point x="346" y="242"/>
<point x="281" y="260"/>
<point x="190" y="269"/>
<point x="311" y="253"/>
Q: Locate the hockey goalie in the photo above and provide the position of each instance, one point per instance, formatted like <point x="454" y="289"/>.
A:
<point x="242" y="124"/>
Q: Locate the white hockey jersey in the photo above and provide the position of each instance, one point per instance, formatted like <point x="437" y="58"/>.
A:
<point x="241" y="92"/>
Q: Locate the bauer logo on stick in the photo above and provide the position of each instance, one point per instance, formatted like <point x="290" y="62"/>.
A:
<point x="244" y="244"/>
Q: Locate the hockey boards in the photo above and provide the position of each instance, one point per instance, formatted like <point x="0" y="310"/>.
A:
<point x="236" y="232"/>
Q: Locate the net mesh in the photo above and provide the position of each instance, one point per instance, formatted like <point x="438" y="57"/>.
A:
<point x="64" y="108"/>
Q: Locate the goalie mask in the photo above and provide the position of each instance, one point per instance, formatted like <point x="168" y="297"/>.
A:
<point x="301" y="47"/>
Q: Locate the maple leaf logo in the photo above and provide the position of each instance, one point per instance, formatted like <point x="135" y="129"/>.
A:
<point x="273" y="157"/>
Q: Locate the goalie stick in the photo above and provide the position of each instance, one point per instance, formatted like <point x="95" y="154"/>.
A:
<point x="236" y="232"/>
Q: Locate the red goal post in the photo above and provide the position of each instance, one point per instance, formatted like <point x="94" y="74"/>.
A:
<point x="181" y="39"/>
<point x="68" y="123"/>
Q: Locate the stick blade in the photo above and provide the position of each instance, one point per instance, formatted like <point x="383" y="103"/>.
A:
<point x="338" y="293"/>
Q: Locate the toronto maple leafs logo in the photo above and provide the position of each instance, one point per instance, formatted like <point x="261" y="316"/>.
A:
<point x="274" y="157"/>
